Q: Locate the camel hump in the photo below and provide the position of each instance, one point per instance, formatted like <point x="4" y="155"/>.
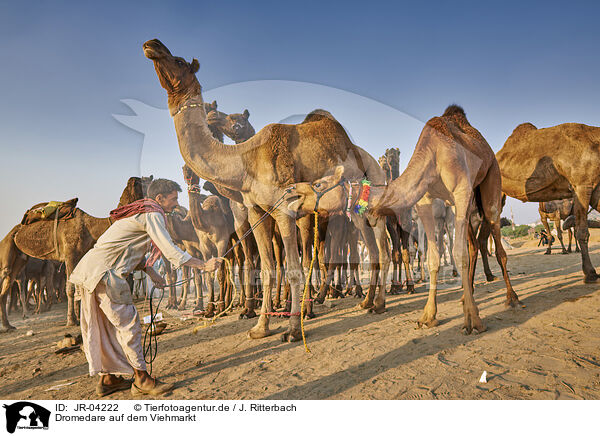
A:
<point x="454" y="110"/>
<point x="318" y="115"/>
<point x="525" y="127"/>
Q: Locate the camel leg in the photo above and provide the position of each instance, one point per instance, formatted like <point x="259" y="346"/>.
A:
<point x="570" y="233"/>
<point x="581" y="201"/>
<point x="425" y="211"/>
<point x="449" y="228"/>
<point x="465" y="243"/>
<point x="263" y="235"/>
<point x="185" y="275"/>
<point x="371" y="244"/>
<point x="198" y="284"/>
<point x="512" y="299"/>
<point x="482" y="240"/>
<point x="8" y="277"/>
<point x="294" y="274"/>
<point x="71" y="318"/>
<point x="559" y="234"/>
<point x="392" y="228"/>
<point x="547" y="227"/>
<point x="278" y="255"/>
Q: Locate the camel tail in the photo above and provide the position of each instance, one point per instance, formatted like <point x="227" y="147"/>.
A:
<point x="478" y="201"/>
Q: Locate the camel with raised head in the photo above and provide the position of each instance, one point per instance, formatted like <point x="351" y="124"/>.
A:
<point x="556" y="211"/>
<point x="451" y="161"/>
<point x="552" y="164"/>
<point x="74" y="237"/>
<point x="260" y="169"/>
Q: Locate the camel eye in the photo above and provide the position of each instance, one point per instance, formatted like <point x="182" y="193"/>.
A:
<point x="317" y="185"/>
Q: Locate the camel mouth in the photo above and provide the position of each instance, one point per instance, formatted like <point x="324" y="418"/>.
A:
<point x="154" y="49"/>
<point x="294" y="202"/>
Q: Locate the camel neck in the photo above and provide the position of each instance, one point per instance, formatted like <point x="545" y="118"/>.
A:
<point x="210" y="159"/>
<point x="404" y="192"/>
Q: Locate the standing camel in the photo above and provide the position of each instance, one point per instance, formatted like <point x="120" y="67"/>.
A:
<point x="260" y="169"/>
<point x="555" y="163"/>
<point x="74" y="237"/>
<point x="451" y="161"/>
<point x="557" y="210"/>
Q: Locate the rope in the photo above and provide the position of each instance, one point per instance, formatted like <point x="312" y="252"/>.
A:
<point x="310" y="269"/>
<point x="220" y="314"/>
<point x="150" y="342"/>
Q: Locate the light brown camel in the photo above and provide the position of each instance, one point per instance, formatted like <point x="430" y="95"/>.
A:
<point x="260" y="169"/>
<point x="451" y="161"/>
<point x="557" y="210"/>
<point x="555" y="163"/>
<point x="74" y="238"/>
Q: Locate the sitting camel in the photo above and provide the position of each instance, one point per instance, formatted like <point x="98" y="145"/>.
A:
<point x="557" y="210"/>
<point x="451" y="161"/>
<point x="63" y="241"/>
<point x="555" y="163"/>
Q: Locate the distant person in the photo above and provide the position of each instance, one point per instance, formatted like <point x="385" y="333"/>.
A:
<point x="110" y="324"/>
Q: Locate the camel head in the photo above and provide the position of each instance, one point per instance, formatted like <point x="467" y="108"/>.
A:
<point x="237" y="127"/>
<point x="132" y="192"/>
<point x="175" y="74"/>
<point x="332" y="190"/>
<point x="145" y="183"/>
<point x="384" y="163"/>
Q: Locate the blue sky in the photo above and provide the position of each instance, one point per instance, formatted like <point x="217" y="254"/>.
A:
<point x="67" y="66"/>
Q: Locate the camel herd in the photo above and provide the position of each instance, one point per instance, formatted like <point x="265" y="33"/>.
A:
<point x="453" y="185"/>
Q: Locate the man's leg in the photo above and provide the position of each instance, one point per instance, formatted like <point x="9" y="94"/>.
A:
<point x="124" y="320"/>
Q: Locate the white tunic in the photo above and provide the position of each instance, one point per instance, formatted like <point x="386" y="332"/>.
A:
<point x="119" y="250"/>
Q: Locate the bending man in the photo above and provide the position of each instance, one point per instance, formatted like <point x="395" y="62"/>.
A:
<point x="110" y="325"/>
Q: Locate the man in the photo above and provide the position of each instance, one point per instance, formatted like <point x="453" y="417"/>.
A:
<point x="110" y="324"/>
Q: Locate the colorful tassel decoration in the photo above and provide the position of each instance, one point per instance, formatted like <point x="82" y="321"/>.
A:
<point x="363" y="201"/>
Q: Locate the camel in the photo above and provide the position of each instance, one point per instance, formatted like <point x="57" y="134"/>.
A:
<point x="213" y="223"/>
<point x="398" y="227"/>
<point x="260" y="169"/>
<point x="451" y="161"/>
<point x="443" y="216"/>
<point x="181" y="229"/>
<point x="552" y="164"/>
<point x="74" y="238"/>
<point x="557" y="210"/>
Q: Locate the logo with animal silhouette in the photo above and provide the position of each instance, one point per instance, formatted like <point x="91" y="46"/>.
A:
<point x="26" y="415"/>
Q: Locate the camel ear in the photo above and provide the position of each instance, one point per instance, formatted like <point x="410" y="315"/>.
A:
<point x="214" y="105"/>
<point x="246" y="114"/>
<point x="195" y="66"/>
<point x="338" y="173"/>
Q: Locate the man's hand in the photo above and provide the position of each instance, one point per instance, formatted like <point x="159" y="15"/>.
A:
<point x="158" y="281"/>
<point x="212" y="264"/>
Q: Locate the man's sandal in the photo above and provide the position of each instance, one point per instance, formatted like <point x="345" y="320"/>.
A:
<point x="159" y="388"/>
<point x="123" y="384"/>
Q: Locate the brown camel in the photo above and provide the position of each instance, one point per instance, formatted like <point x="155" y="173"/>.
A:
<point x="451" y="161"/>
<point x="74" y="238"/>
<point x="261" y="168"/>
<point x="552" y="164"/>
<point x="557" y="210"/>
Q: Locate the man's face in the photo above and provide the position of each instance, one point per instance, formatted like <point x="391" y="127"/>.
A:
<point x="168" y="201"/>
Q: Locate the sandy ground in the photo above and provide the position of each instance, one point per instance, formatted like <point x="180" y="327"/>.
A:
<point x="548" y="350"/>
